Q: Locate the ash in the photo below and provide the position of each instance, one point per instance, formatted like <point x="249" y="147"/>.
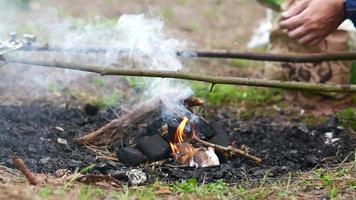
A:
<point x="43" y="135"/>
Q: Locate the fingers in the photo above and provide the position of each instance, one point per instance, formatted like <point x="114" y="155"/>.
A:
<point x="298" y="32"/>
<point x="307" y="39"/>
<point x="314" y="42"/>
<point x="291" y="23"/>
<point x="295" y="10"/>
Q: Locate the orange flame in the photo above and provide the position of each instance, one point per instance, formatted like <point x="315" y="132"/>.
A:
<point x="174" y="149"/>
<point x="180" y="131"/>
<point x="179" y="136"/>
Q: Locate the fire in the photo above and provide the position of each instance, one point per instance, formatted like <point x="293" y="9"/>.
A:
<point x="178" y="136"/>
<point x="180" y="131"/>
<point x="186" y="154"/>
<point x="174" y="149"/>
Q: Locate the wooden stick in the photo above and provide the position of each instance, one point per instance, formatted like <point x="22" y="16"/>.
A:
<point x="20" y="165"/>
<point x="292" y="58"/>
<point x="295" y="58"/>
<point x="291" y="85"/>
<point x="228" y="149"/>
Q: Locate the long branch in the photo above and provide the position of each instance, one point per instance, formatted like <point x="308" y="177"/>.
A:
<point x="296" y="58"/>
<point x="190" y="76"/>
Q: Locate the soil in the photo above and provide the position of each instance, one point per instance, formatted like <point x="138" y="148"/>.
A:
<point x="43" y="135"/>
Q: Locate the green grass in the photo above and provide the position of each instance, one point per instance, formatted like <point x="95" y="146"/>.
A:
<point x="332" y="182"/>
<point x="236" y="94"/>
<point x="347" y="118"/>
<point x="99" y="95"/>
<point x="191" y="186"/>
<point x="353" y="73"/>
<point x="245" y="63"/>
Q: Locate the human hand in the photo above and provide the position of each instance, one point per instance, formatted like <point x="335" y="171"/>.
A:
<point x="311" y="21"/>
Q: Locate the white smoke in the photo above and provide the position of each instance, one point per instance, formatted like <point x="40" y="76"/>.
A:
<point x="142" y="36"/>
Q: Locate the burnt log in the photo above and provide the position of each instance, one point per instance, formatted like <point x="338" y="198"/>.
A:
<point x="119" y="129"/>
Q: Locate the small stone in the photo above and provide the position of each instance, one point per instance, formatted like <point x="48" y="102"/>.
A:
<point x="62" y="141"/>
<point x="59" y="128"/>
<point x="44" y="160"/>
<point x="61" y="172"/>
<point x="136" y="176"/>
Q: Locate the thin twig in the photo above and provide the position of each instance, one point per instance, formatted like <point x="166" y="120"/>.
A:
<point x="190" y="76"/>
<point x="20" y="165"/>
<point x="102" y="153"/>
<point x="229" y="150"/>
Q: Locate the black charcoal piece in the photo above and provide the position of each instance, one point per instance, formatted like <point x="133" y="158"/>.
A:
<point x="154" y="147"/>
<point x="155" y="127"/>
<point x="91" y="110"/>
<point x="130" y="156"/>
<point x="205" y="129"/>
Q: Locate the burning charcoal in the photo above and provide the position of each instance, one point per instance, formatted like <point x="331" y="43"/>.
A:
<point x="154" y="147"/>
<point x="136" y="176"/>
<point x="184" y="152"/>
<point x="173" y="124"/>
<point x="91" y="110"/>
<point x="130" y="156"/>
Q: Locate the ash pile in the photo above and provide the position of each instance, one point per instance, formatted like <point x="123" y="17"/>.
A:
<point x="46" y="136"/>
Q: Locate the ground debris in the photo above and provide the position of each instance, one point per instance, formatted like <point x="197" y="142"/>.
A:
<point x="284" y="146"/>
